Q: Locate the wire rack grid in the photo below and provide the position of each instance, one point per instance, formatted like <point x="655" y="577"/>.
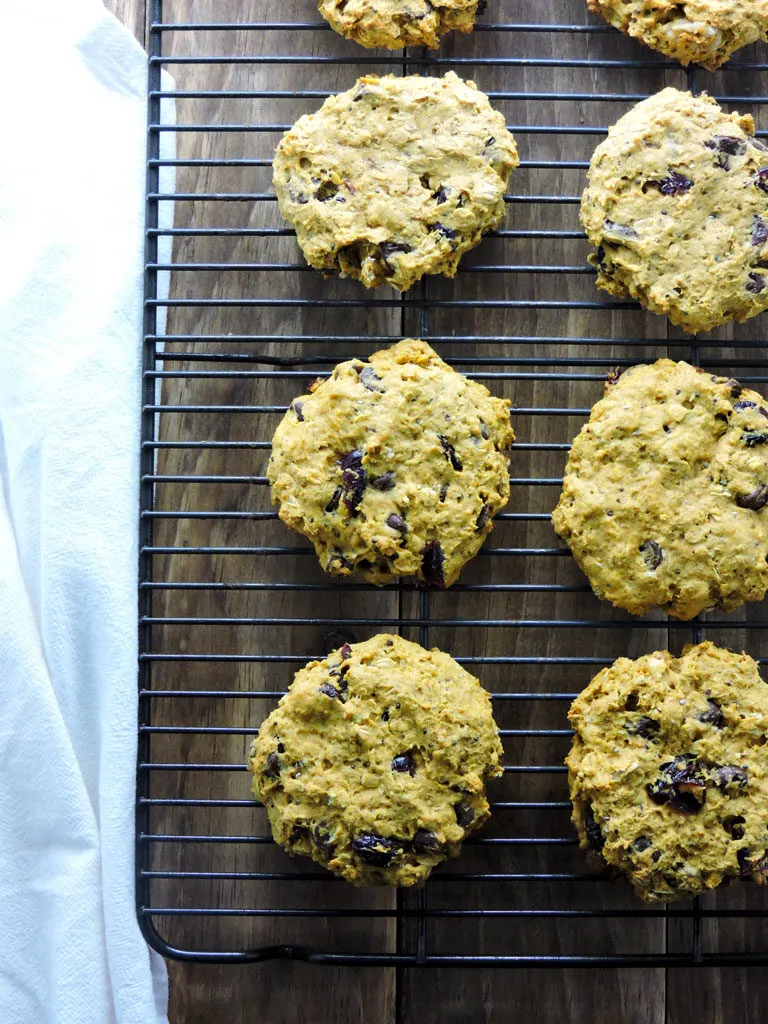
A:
<point x="231" y="604"/>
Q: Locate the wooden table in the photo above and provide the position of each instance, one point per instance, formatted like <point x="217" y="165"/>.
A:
<point x="288" y="992"/>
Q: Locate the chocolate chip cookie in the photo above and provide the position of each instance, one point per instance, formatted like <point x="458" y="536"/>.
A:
<point x="677" y="208"/>
<point x="395" y="178"/>
<point x="374" y="763"/>
<point x="393" y="467"/>
<point x="665" y="492"/>
<point x="702" y="32"/>
<point x="669" y="770"/>
<point x="393" y="24"/>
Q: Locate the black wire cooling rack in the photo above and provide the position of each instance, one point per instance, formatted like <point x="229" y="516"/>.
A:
<point x="231" y="604"/>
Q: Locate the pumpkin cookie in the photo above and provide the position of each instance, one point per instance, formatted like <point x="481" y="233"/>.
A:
<point x="374" y="763"/>
<point x="702" y="32"/>
<point x="665" y="492"/>
<point x="393" y="24"/>
<point x="393" y="467"/>
<point x="395" y="178"/>
<point x="677" y="208"/>
<point x="669" y="770"/>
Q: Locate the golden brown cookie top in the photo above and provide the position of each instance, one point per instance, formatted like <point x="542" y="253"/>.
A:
<point x="677" y="207"/>
<point x="394" y="466"/>
<point x="374" y="763"/>
<point x="702" y="32"/>
<point x="669" y="770"/>
<point x="393" y="24"/>
<point x="395" y="178"/>
<point x="665" y="494"/>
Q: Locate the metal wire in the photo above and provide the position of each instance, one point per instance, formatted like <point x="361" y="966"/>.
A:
<point x="520" y="895"/>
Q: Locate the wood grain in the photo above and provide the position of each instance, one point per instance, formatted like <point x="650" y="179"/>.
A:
<point x="286" y="992"/>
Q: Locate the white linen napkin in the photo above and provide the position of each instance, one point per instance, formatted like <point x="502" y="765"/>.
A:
<point x="72" y="155"/>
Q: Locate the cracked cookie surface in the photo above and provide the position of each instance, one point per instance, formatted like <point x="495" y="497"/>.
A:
<point x="677" y="207"/>
<point x="374" y="763"/>
<point x="665" y="494"/>
<point x="393" y="24"/>
<point x="702" y="32"/>
<point x="669" y="770"/>
<point x="393" y="466"/>
<point x="396" y="178"/>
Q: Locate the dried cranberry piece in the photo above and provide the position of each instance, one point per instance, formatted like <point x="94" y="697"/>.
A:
<point x="594" y="833"/>
<point x="404" y="763"/>
<point x="297" y="408"/>
<point x="730" y="775"/>
<point x="346" y="652"/>
<point x="652" y="553"/>
<point x="734" y="825"/>
<point x="425" y="841"/>
<point x="432" y="564"/>
<point x="761" y="179"/>
<point x="397" y="522"/>
<point x="376" y="850"/>
<point x="713" y="715"/>
<point x="680" y="785"/>
<point x="353" y="479"/>
<point x="329" y="691"/>
<point x="465" y="814"/>
<point x="450" y="453"/>
<point x="759" y="231"/>
<point x="482" y="519"/>
<point x="755" y="500"/>
<point x="385" y="482"/>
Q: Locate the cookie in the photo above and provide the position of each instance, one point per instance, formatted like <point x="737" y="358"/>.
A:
<point x="669" y="770"/>
<point x="702" y="32"/>
<point x="393" y="467"/>
<point x="665" y="492"/>
<point x="677" y="207"/>
<point x="395" y="178"/>
<point x="374" y="763"/>
<point x="393" y="24"/>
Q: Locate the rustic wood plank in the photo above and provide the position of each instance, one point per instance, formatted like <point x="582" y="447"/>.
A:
<point x="133" y="14"/>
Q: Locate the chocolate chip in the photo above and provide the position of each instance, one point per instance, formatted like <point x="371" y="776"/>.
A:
<point x="441" y="195"/>
<point x="299" y="833"/>
<point x="761" y="179"/>
<point x="482" y="519"/>
<point x="346" y="653"/>
<point x="329" y="691"/>
<point x="756" y="284"/>
<point x="730" y="775"/>
<point x="641" y="844"/>
<point x="388" y="249"/>
<point x="322" y="838"/>
<point x="385" y="482"/>
<point x="484" y="431"/>
<point x="465" y="815"/>
<point x="273" y="766"/>
<point x="432" y="564"/>
<point x="396" y="522"/>
<point x="327" y="190"/>
<point x="755" y="500"/>
<point x="673" y="185"/>
<point x="713" y="715"/>
<point x="736" y="387"/>
<point x="441" y="229"/>
<point x="759" y="231"/>
<point x="734" y="825"/>
<point x="727" y="144"/>
<point x="450" y="453"/>
<point x="443" y="492"/>
<point x="404" y="763"/>
<point x="353" y="480"/>
<point x="642" y="726"/>
<point x="652" y="554"/>
<point x="425" y="841"/>
<point x="297" y="408"/>
<point x="370" y="379"/>
<point x="594" y="833"/>
<point x="742" y="857"/>
<point x="385" y="715"/>
<point x="656" y="855"/>
<point x="376" y="850"/>
<point x="745" y="405"/>
<point x="333" y="504"/>
<point x="299" y="197"/>
<point x="753" y="438"/>
<point x="680" y="785"/>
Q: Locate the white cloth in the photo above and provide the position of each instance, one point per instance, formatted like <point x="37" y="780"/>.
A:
<point x="71" y="245"/>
